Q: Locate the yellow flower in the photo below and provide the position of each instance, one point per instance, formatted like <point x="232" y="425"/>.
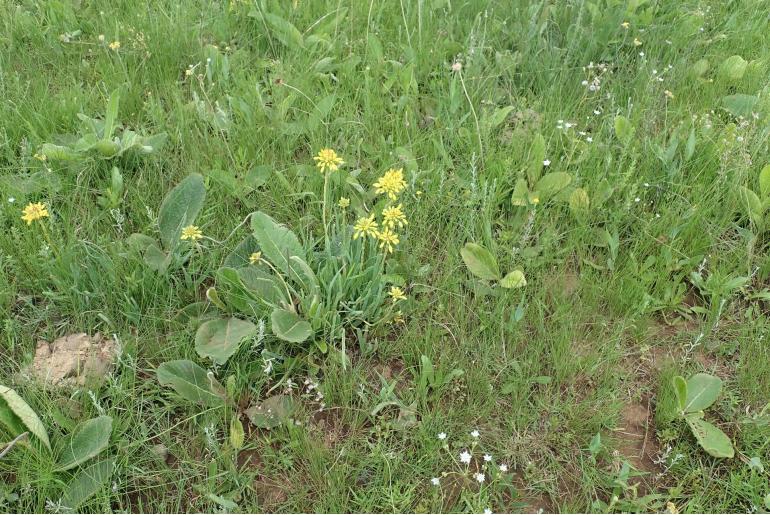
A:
<point x="115" y="45"/>
<point x="328" y="159"/>
<point x="40" y="157"/>
<point x="344" y="202"/>
<point x="668" y="94"/>
<point x="392" y="216"/>
<point x="34" y="212"/>
<point x="392" y="183"/>
<point x="396" y="293"/>
<point x="365" y="227"/>
<point x="625" y="24"/>
<point x="637" y="42"/>
<point x="671" y="508"/>
<point x="192" y="233"/>
<point x="387" y="239"/>
<point x="255" y="258"/>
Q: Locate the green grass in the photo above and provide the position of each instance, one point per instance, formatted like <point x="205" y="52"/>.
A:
<point x="610" y="314"/>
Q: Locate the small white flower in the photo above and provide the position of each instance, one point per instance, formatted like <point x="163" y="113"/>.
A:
<point x="11" y="200"/>
<point x="479" y="477"/>
<point x="441" y="436"/>
<point x="596" y="111"/>
<point x="546" y="162"/>
<point x="641" y="54"/>
<point x="475" y="433"/>
<point x="487" y="511"/>
<point x="457" y="66"/>
<point x="435" y="481"/>
<point x="637" y="199"/>
<point x="487" y="457"/>
<point x="646" y="184"/>
<point x="589" y="139"/>
<point x="503" y="468"/>
<point x="465" y="457"/>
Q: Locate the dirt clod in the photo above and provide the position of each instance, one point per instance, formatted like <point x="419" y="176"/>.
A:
<point x="73" y="360"/>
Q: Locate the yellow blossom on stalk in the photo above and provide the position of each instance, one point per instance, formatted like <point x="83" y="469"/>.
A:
<point x="388" y="239"/>
<point x="344" y="202"/>
<point x="396" y="293"/>
<point x="668" y="94"/>
<point x="115" y="45"/>
<point x="327" y="159"/>
<point x="637" y="42"/>
<point x="34" y="211"/>
<point x="255" y="258"/>
<point x="391" y="183"/>
<point x="192" y="233"/>
<point x="365" y="227"/>
<point x="40" y="157"/>
<point x="671" y="508"/>
<point x="394" y="215"/>
<point x="625" y="24"/>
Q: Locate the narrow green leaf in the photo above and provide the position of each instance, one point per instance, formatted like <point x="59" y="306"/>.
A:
<point x="536" y="158"/>
<point x="764" y="182"/>
<point x="680" y="388"/>
<point x="112" y="114"/>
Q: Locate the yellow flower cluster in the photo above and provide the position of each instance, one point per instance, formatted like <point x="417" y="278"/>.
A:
<point x="34" y="211"/>
<point x="391" y="183"/>
<point x="192" y="233"/>
<point x="327" y="159"/>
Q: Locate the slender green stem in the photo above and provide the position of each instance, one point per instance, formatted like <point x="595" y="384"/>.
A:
<point x="323" y="211"/>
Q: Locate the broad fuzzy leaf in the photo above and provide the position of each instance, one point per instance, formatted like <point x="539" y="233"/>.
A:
<point x="278" y="242"/>
<point x="733" y="68"/>
<point x="514" y="279"/>
<point x="220" y="339"/>
<point x="179" y="209"/>
<point x="25" y="414"/>
<point x="764" y="182"/>
<point x="711" y="438"/>
<point x="191" y="382"/>
<point x="86" y="483"/>
<point x="87" y="441"/>
<point x="551" y="184"/>
<point x="271" y="412"/>
<point x="702" y="391"/>
<point x="480" y="262"/>
<point x="288" y="326"/>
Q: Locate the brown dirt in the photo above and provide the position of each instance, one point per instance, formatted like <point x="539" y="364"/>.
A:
<point x="73" y="360"/>
<point x="636" y="439"/>
<point x="270" y="493"/>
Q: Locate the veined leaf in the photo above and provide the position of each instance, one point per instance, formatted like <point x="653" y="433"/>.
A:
<point x="514" y="279"/>
<point x="87" y="441"/>
<point x="289" y="326"/>
<point x="278" y="242"/>
<point x="219" y="339"/>
<point x="191" y="382"/>
<point x="702" y="391"/>
<point x="711" y="438"/>
<point x="25" y="414"/>
<point x="480" y="262"/>
<point x="86" y="483"/>
<point x="179" y="209"/>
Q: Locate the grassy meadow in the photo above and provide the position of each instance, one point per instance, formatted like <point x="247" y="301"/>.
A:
<point x="386" y="255"/>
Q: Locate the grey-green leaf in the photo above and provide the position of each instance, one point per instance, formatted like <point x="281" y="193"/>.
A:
<point x="86" y="483"/>
<point x="551" y="184"/>
<point x="219" y="339"/>
<point x="179" y="208"/>
<point x="87" y="441"/>
<point x="624" y="130"/>
<point x="764" y="182"/>
<point x="288" y="326"/>
<point x="702" y="391"/>
<point x="480" y="262"/>
<point x="26" y="415"/>
<point x="740" y="104"/>
<point x="191" y="382"/>
<point x="680" y="388"/>
<point x="278" y="242"/>
<point x="271" y="412"/>
<point x="733" y="68"/>
<point x="514" y="279"/>
<point x="536" y="158"/>
<point x="711" y="438"/>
